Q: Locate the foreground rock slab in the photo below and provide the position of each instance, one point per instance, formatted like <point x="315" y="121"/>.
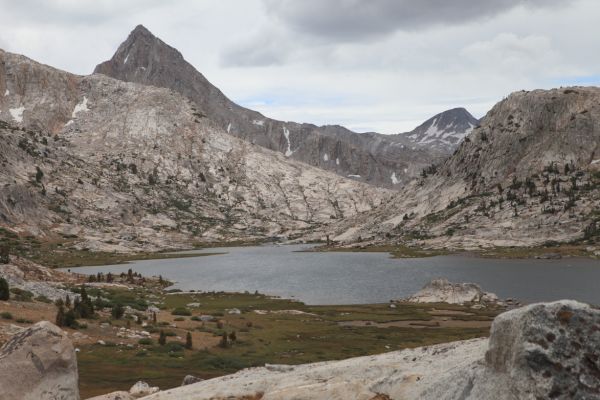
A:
<point x="39" y="363"/>
<point x="541" y="351"/>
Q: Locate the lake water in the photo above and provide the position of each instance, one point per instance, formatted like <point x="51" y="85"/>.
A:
<point x="355" y="278"/>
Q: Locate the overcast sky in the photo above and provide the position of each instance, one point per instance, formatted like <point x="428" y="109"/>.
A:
<point x="371" y="65"/>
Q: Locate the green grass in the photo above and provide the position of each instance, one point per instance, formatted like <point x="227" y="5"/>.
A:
<point x="270" y="338"/>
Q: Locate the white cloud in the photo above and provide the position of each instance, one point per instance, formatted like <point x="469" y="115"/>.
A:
<point x="382" y="65"/>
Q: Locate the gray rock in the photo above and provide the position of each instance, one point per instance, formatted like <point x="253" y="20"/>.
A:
<point x="120" y="395"/>
<point x="142" y="389"/>
<point x="190" y="379"/>
<point x="443" y="291"/>
<point x="38" y="363"/>
<point x="548" y="350"/>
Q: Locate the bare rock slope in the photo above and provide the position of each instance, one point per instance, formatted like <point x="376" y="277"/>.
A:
<point x="39" y="363"/>
<point x="537" y="352"/>
<point x="529" y="174"/>
<point x="388" y="161"/>
<point x="124" y="166"/>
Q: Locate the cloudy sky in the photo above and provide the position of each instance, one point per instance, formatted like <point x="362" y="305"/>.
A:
<point x="371" y="65"/>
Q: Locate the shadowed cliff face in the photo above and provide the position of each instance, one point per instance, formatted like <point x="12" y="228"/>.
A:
<point x="382" y="160"/>
<point x="121" y="166"/>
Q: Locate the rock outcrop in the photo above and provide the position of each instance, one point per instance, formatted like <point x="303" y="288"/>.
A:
<point x="542" y="351"/>
<point x="41" y="281"/>
<point x="443" y="291"/>
<point x="39" y="363"/>
<point x="383" y="160"/>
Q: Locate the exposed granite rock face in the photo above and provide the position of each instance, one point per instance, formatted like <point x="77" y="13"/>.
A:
<point x="38" y="363"/>
<point x="526" y="176"/>
<point x="123" y="166"/>
<point x="549" y="351"/>
<point x="540" y="351"/>
<point x="383" y="160"/>
<point x="443" y="291"/>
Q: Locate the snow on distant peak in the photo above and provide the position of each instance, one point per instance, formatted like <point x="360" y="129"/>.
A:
<point x="258" y="122"/>
<point x="17" y="113"/>
<point x="6" y="93"/>
<point x="395" y="180"/>
<point x="326" y="157"/>
<point x="81" y="107"/>
<point x="126" y="58"/>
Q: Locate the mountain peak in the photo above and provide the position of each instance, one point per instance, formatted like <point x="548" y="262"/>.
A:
<point x="139" y="55"/>
<point x="141" y="30"/>
<point x="444" y="130"/>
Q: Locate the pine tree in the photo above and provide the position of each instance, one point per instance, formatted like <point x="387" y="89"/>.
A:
<point x="60" y="316"/>
<point x="232" y="336"/>
<point x="154" y="318"/>
<point x="4" y="289"/>
<point x="162" y="339"/>
<point x="188" y="341"/>
<point x="68" y="302"/>
<point x="224" y="341"/>
<point x="4" y="254"/>
<point x="118" y="311"/>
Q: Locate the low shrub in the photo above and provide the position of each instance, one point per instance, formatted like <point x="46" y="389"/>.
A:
<point x="6" y="315"/>
<point x="181" y="311"/>
<point x="146" y="342"/>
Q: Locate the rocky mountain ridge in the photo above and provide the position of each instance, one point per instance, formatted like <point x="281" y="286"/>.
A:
<point x="528" y="175"/>
<point x="383" y="160"/>
<point x="123" y="166"/>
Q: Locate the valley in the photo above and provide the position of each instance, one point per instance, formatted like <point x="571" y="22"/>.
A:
<point x="168" y="231"/>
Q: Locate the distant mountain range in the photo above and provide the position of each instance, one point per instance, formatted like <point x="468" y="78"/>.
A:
<point x="382" y="160"/>
<point x="154" y="156"/>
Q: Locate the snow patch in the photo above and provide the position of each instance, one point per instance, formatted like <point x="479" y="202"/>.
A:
<point x="6" y="93"/>
<point x="595" y="162"/>
<point x="69" y="123"/>
<point x="394" y="179"/>
<point x="17" y="113"/>
<point x="325" y="157"/>
<point x="337" y="161"/>
<point x="81" y="107"/>
<point x="286" y="133"/>
<point x="353" y="176"/>
<point x="258" y="122"/>
<point x="126" y="58"/>
<point x="229" y="128"/>
<point x="405" y="170"/>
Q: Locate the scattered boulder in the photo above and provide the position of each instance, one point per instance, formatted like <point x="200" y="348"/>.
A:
<point x="190" y="379"/>
<point x="548" y="350"/>
<point x="39" y="363"/>
<point x="542" y="351"/>
<point x="121" y="395"/>
<point x="141" y="389"/>
<point x="549" y="256"/>
<point x="443" y="291"/>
